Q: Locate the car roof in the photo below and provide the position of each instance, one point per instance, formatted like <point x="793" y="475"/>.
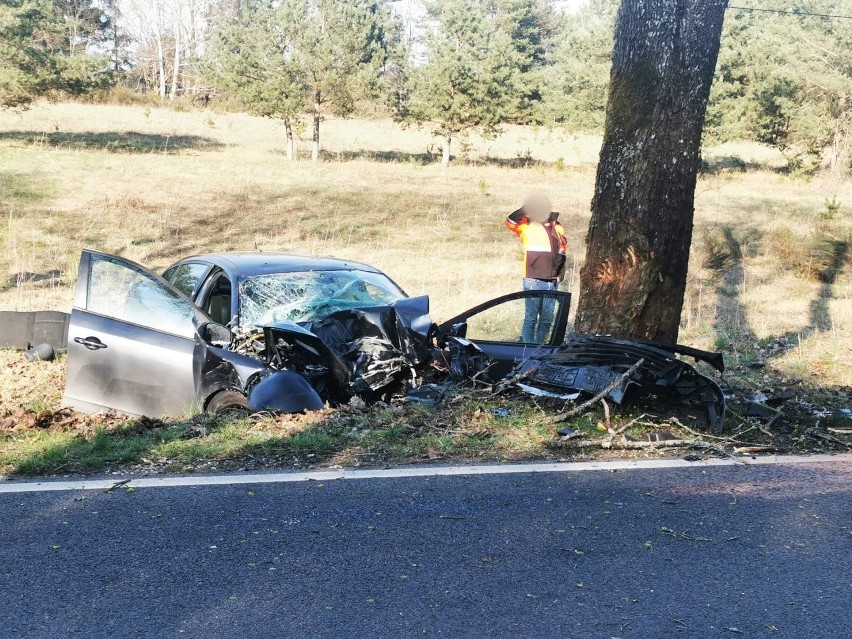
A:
<point x="249" y="264"/>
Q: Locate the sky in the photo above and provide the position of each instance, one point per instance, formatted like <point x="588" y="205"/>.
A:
<point x="569" y="6"/>
<point x="412" y="10"/>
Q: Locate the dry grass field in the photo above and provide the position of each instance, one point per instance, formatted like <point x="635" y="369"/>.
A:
<point x="770" y="277"/>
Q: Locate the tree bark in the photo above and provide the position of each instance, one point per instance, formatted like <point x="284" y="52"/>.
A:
<point x="637" y="254"/>
<point x="315" y="148"/>
<point x="445" y="159"/>
<point x="176" y="72"/>
<point x="839" y="142"/>
<point x="161" y="65"/>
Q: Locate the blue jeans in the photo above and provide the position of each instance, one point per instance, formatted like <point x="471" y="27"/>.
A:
<point x="538" y="312"/>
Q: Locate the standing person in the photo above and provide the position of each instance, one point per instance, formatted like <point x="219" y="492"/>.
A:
<point x="545" y="246"/>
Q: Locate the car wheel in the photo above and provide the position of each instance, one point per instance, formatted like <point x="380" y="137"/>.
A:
<point x="228" y="404"/>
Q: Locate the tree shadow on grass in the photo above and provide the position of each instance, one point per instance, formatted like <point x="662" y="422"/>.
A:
<point x="830" y="257"/>
<point x="820" y="314"/>
<point x="106" y="442"/>
<point x="720" y="164"/>
<point x="114" y="141"/>
<point x="424" y="159"/>
<point x="731" y="321"/>
<point x="142" y="444"/>
<point x="753" y="357"/>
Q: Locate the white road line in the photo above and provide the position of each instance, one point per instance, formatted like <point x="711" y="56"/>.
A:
<point x="395" y="473"/>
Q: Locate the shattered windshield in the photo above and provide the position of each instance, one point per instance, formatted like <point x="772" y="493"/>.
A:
<point x="307" y="295"/>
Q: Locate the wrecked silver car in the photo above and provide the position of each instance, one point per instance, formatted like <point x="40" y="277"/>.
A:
<point x="268" y="331"/>
<point x="153" y="346"/>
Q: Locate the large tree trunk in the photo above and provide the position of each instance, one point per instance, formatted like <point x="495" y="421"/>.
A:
<point x="445" y="159"/>
<point x="637" y="253"/>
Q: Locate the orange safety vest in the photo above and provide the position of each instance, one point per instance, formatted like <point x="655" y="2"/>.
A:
<point x="545" y="246"/>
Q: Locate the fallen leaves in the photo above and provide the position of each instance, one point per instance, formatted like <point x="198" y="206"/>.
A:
<point x="37" y="385"/>
<point x="21" y="419"/>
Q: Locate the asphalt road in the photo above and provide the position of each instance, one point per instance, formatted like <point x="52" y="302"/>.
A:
<point x="734" y="551"/>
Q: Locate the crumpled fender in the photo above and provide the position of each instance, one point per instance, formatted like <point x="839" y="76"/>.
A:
<point x="357" y="351"/>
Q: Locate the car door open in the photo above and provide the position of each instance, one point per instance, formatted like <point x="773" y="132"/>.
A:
<point x="132" y="341"/>
<point x="496" y="326"/>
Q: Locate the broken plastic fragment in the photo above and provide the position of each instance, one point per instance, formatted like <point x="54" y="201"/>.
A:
<point x="759" y="410"/>
<point x="538" y="392"/>
<point x="664" y="385"/>
<point x="428" y="393"/>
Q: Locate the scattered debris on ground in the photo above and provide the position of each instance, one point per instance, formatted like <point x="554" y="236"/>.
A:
<point x="474" y="420"/>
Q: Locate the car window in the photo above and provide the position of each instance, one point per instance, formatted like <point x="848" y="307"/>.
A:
<point x="505" y="322"/>
<point x="119" y="291"/>
<point x="307" y="295"/>
<point x="186" y="277"/>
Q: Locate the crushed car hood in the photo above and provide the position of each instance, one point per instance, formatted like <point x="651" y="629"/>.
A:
<point x="359" y="351"/>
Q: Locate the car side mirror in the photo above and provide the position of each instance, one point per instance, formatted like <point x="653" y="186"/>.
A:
<point x="216" y="334"/>
<point x="459" y="330"/>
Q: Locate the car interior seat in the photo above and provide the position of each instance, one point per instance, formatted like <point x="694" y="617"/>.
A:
<point x="219" y="303"/>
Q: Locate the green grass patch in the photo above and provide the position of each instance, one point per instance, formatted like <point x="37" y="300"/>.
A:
<point x="30" y="188"/>
<point x="464" y="431"/>
<point x="381" y="435"/>
<point x="36" y="453"/>
<point x="111" y="141"/>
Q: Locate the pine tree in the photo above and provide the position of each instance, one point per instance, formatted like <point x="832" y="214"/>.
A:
<point x="469" y="81"/>
<point x="255" y="59"/>
<point x="786" y="81"/>
<point x="576" y="83"/>
<point x="284" y="59"/>
<point x="37" y="57"/>
<point x="341" y="46"/>
<point x="87" y="23"/>
<point x="531" y="27"/>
